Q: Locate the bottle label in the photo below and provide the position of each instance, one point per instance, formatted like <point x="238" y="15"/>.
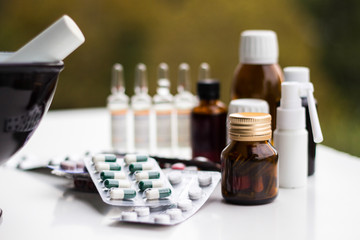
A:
<point x="183" y="127"/>
<point x="141" y="129"/>
<point x="163" y="129"/>
<point x="118" y="129"/>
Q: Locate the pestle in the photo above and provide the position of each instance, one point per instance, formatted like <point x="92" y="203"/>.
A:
<point x="52" y="45"/>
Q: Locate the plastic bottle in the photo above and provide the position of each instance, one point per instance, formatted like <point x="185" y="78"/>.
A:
<point x="258" y="75"/>
<point x="163" y="106"/>
<point x="118" y="105"/>
<point x="184" y="102"/>
<point x="141" y="105"/>
<point x="302" y="75"/>
<point x="249" y="164"/>
<point x="291" y="137"/>
<point x="208" y="122"/>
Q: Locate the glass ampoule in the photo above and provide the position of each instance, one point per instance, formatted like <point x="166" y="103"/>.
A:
<point x="118" y="105"/>
<point x="184" y="102"/>
<point x="163" y="109"/>
<point x="141" y="106"/>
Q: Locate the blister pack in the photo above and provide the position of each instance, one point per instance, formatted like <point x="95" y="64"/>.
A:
<point x="135" y="180"/>
<point x="191" y="191"/>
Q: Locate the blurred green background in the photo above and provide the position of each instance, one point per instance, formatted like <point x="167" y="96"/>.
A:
<point x="320" y="34"/>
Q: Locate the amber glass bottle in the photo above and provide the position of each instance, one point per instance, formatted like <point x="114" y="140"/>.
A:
<point x="208" y="122"/>
<point x="249" y="163"/>
<point x="258" y="75"/>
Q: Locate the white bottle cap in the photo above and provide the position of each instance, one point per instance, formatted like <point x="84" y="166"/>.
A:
<point x="259" y="47"/>
<point x="297" y="74"/>
<point x="52" y="45"/>
<point x="248" y="105"/>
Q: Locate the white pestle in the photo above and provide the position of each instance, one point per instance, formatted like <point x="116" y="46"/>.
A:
<point x="52" y="45"/>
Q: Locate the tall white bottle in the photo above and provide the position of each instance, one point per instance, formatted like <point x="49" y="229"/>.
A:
<point x="291" y="137"/>
<point x="141" y="106"/>
<point x="118" y="105"/>
<point x="163" y="109"/>
<point x="184" y="102"/>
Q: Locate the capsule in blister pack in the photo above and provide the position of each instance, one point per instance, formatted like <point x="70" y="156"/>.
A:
<point x="129" y="181"/>
<point x="191" y="189"/>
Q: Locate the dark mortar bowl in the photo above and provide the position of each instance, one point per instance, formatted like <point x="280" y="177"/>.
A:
<point x="26" y="92"/>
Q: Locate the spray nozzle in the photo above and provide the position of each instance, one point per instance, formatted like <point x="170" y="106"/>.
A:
<point x="290" y="99"/>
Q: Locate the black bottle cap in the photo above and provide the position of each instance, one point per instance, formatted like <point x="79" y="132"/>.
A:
<point x="208" y="89"/>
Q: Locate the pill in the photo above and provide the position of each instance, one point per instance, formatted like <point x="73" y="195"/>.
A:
<point x="145" y="184"/>
<point x="195" y="193"/>
<point x="104" y="158"/>
<point x="130" y="158"/>
<point x="68" y="165"/>
<point x="121" y="193"/>
<point x="204" y="180"/>
<point x="178" y="166"/>
<point x="156" y="193"/>
<point x="174" y="213"/>
<point x="141" y="175"/>
<point x="174" y="177"/>
<point x="116" y="183"/>
<point x="80" y="165"/>
<point x="162" y="218"/>
<point x="140" y="166"/>
<point x="185" y="205"/>
<point x="112" y="175"/>
<point x="129" y="216"/>
<point x="100" y="166"/>
<point x="142" y="211"/>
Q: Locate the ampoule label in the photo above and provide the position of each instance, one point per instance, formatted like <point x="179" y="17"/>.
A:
<point x="142" y="129"/>
<point x="119" y="129"/>
<point x="183" y="127"/>
<point x="163" y="129"/>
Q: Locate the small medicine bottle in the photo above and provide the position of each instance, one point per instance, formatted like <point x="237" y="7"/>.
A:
<point x="208" y="122"/>
<point x="118" y="106"/>
<point x="184" y="102"/>
<point x="141" y="105"/>
<point x="249" y="163"/>
<point x="258" y="74"/>
<point x="163" y="108"/>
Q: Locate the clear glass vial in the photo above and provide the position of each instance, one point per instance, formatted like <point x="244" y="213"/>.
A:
<point x="249" y="162"/>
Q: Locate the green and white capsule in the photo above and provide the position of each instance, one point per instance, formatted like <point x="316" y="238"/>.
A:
<point x="121" y="193"/>
<point x="103" y="166"/>
<point x="143" y="175"/>
<point x="112" y="175"/>
<point x="104" y="158"/>
<point x="157" y="193"/>
<point x="116" y="183"/>
<point x="131" y="158"/>
<point x="145" y="184"/>
<point x="140" y="166"/>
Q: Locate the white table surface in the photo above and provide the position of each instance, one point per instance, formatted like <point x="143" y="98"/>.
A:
<point x="42" y="206"/>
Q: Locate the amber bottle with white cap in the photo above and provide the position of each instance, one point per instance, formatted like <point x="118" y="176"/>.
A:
<point x="249" y="163"/>
<point x="258" y="74"/>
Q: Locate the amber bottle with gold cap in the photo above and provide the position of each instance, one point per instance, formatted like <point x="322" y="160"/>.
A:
<point x="249" y="163"/>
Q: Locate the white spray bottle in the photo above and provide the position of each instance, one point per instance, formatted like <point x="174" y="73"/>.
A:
<point x="291" y="136"/>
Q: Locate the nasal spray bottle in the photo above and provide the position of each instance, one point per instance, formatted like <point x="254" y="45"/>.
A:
<point x="291" y="137"/>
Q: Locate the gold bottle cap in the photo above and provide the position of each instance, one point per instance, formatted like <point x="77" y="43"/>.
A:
<point x="249" y="126"/>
